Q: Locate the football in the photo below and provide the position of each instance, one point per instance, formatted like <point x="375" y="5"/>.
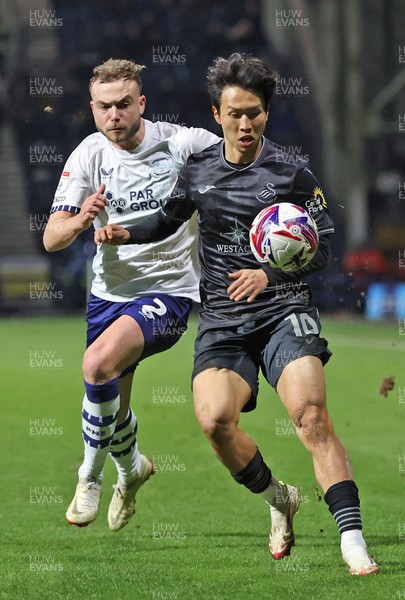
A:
<point x="284" y="236"/>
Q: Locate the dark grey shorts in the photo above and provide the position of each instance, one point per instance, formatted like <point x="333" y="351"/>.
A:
<point x="269" y="344"/>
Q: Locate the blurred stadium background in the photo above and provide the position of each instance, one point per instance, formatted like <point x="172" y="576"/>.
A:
<point x="340" y="102"/>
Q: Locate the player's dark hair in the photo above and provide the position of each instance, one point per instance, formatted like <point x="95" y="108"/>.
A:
<point x="244" y="71"/>
<point x="114" y="69"/>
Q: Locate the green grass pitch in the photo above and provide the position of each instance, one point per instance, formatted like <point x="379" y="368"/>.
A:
<point x="196" y="534"/>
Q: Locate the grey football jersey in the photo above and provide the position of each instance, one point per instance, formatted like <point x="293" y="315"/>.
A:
<point x="227" y="199"/>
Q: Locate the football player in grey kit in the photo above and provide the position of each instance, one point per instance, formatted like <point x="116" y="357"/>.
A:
<point x="253" y="317"/>
<point x="141" y="296"/>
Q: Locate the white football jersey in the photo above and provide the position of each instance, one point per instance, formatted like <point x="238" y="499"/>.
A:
<point x="136" y="183"/>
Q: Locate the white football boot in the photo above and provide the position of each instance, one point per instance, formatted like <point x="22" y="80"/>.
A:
<point x="122" y="505"/>
<point x="281" y="538"/>
<point x="360" y="562"/>
<point x="84" y="507"/>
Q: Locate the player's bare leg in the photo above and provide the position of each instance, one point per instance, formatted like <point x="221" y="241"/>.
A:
<point x="302" y="389"/>
<point x="125" y="385"/>
<point x="219" y="396"/>
<point x="116" y="348"/>
<point x="119" y="346"/>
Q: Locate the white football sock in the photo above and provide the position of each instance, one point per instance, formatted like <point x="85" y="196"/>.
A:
<point x="276" y="494"/>
<point x="99" y="416"/>
<point x="352" y="541"/>
<point x="124" y="449"/>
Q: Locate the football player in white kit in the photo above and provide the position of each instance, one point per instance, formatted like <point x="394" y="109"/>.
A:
<point x="141" y="296"/>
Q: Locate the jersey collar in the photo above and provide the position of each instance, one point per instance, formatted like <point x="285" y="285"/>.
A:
<point x="258" y="160"/>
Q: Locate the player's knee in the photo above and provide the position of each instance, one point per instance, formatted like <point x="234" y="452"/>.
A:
<point x="217" y="430"/>
<point x="95" y="370"/>
<point x="313" y="422"/>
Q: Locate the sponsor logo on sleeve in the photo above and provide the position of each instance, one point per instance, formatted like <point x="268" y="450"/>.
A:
<point x="317" y="202"/>
<point x="63" y="182"/>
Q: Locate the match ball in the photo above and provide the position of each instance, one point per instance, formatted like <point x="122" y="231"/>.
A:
<point x="284" y="236"/>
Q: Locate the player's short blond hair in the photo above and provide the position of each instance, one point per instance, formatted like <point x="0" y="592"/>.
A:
<point x="116" y="68"/>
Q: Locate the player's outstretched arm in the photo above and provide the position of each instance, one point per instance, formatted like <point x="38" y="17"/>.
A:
<point x="154" y="228"/>
<point x="157" y="226"/>
<point x="63" y="227"/>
